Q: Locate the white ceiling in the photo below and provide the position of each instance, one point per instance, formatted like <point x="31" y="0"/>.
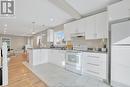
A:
<point x="28" y="11"/>
<point x="86" y="6"/>
<point x="41" y="11"/>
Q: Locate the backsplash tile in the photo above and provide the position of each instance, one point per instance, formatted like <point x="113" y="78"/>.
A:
<point x="94" y="43"/>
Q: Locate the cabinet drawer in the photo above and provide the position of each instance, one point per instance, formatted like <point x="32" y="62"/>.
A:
<point x="91" y="68"/>
<point x="93" y="55"/>
<point x="93" y="61"/>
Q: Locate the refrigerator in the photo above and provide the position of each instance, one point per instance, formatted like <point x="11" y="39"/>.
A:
<point x="120" y="54"/>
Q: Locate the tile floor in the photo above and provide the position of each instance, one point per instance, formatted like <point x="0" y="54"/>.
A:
<point x="55" y="76"/>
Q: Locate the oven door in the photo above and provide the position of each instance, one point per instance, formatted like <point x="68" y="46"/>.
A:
<point x="73" y="59"/>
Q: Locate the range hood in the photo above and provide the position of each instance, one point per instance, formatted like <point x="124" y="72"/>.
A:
<point x="77" y="35"/>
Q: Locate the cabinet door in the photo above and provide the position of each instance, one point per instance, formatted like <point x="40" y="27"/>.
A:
<point x="36" y="57"/>
<point x="67" y="32"/>
<point x="74" y="27"/>
<point x="61" y="58"/>
<point x="52" y="57"/>
<point x="44" y="56"/>
<point x="81" y="26"/>
<point x="90" y="31"/>
<point x="119" y="10"/>
<point x="102" y="25"/>
<point x="50" y="35"/>
<point x="30" y="54"/>
<point x="84" y="63"/>
<point x="57" y="57"/>
<point x="103" y="66"/>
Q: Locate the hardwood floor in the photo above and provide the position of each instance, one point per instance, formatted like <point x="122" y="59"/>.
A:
<point x="20" y="76"/>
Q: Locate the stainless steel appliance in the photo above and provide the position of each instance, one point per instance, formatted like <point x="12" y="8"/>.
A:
<point x="120" y="54"/>
<point x="73" y="61"/>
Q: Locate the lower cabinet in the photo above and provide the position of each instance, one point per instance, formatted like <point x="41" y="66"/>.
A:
<point x="92" y="63"/>
<point x="95" y="64"/>
<point x="57" y="57"/>
<point x="38" y="56"/>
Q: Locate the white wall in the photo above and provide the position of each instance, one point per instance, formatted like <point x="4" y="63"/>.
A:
<point x="17" y="42"/>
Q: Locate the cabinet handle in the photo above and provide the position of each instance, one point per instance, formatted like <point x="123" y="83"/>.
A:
<point x="93" y="72"/>
<point x="93" y="64"/>
<point x="94" y="56"/>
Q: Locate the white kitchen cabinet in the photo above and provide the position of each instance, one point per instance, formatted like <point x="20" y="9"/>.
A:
<point x="67" y="31"/>
<point x="96" y="26"/>
<point x="84" y="63"/>
<point x="34" y="57"/>
<point x="44" y="55"/>
<point x="103" y="66"/>
<point x="50" y="35"/>
<point x="119" y="10"/>
<point x="38" y="56"/>
<point x="90" y="31"/>
<point x="52" y="56"/>
<point x="95" y="64"/>
<point x="57" y="57"/>
<point x="73" y="27"/>
<point x="102" y="25"/>
<point x="61" y="58"/>
<point x="80" y="28"/>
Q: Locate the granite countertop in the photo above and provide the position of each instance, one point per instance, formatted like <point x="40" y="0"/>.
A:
<point x="91" y="51"/>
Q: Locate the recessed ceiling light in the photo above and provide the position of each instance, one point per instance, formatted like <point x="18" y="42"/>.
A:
<point x="51" y="19"/>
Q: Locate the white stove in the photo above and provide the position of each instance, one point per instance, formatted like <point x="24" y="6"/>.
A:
<point x="73" y="61"/>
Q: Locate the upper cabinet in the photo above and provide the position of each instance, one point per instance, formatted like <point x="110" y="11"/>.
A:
<point x="119" y="10"/>
<point x="102" y="25"/>
<point x="90" y="27"/>
<point x="67" y="31"/>
<point x="94" y="27"/>
<point x="50" y="35"/>
<point x="73" y="27"/>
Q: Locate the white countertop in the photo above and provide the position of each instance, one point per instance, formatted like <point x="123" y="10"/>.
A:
<point x="55" y="76"/>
